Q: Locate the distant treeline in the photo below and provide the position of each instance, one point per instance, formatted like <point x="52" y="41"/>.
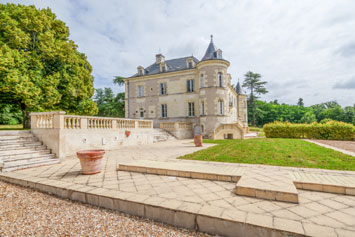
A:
<point x="267" y="112"/>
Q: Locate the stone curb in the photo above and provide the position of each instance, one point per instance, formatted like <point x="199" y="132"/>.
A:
<point x="196" y="217"/>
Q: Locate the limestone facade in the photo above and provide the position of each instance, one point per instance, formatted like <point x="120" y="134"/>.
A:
<point x="188" y="90"/>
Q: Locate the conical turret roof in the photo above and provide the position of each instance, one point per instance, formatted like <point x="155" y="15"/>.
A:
<point x="211" y="52"/>
<point x="239" y="89"/>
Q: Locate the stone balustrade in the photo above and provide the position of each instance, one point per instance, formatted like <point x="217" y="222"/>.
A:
<point x="67" y="134"/>
<point x="58" y="119"/>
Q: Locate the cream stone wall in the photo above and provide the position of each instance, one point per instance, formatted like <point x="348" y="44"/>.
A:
<point x="177" y="97"/>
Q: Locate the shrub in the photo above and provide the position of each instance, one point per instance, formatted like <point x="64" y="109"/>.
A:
<point x="326" y="120"/>
<point x="331" y="130"/>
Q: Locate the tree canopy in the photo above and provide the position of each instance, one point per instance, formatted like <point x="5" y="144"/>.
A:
<point x="108" y="104"/>
<point x="40" y="67"/>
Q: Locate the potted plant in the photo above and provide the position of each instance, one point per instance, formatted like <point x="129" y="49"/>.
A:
<point x="90" y="161"/>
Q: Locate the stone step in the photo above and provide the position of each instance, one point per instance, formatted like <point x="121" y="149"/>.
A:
<point x="20" y="149"/>
<point x="276" y="185"/>
<point x="20" y="161"/>
<point x="182" y="169"/>
<point x="19" y="145"/>
<point x="16" y="141"/>
<point x="32" y="164"/>
<point x="341" y="184"/>
<point x="15" y="137"/>
<point x="14" y="132"/>
<point x="25" y="155"/>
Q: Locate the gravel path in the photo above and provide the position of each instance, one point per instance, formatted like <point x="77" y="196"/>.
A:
<point x="345" y="145"/>
<point x="25" y="212"/>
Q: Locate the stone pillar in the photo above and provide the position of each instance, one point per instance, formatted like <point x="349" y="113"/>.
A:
<point x="84" y="123"/>
<point x="58" y="119"/>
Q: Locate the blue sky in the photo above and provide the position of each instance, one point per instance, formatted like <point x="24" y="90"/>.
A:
<point x="303" y="48"/>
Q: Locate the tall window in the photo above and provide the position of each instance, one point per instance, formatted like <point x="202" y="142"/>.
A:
<point x="190" y="85"/>
<point x="220" y="82"/>
<point x="190" y="64"/>
<point x="163" y="68"/>
<point x="164" y="111"/>
<point x="202" y="108"/>
<point x="202" y="81"/>
<point x="220" y="107"/>
<point x="191" y="109"/>
<point x="163" y="88"/>
<point x="140" y="91"/>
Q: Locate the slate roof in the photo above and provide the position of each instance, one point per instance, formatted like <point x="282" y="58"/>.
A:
<point x="239" y="89"/>
<point x="211" y="52"/>
<point x="172" y="65"/>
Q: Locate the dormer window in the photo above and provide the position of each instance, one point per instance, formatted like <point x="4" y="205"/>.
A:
<point x="218" y="54"/>
<point x="163" y="67"/>
<point x="140" y="71"/>
<point x="190" y="63"/>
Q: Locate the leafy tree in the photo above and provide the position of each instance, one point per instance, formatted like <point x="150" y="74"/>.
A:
<point x="308" y="117"/>
<point x="108" y="104"/>
<point x="253" y="82"/>
<point x="10" y="114"/>
<point x="40" y="68"/>
<point x="118" y="80"/>
<point x="300" y="102"/>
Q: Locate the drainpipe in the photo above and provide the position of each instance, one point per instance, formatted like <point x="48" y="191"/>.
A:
<point x="128" y="99"/>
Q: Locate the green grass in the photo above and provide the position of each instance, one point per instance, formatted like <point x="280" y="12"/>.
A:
<point x="280" y="152"/>
<point x="11" y="127"/>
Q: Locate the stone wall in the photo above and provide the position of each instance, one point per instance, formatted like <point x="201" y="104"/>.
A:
<point x="66" y="134"/>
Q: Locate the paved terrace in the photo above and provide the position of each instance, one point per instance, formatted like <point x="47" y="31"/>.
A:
<point x="208" y="205"/>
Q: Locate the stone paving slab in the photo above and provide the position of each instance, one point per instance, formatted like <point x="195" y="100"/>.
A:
<point x="206" y="205"/>
<point x="275" y="185"/>
<point x="207" y="172"/>
<point x="324" y="183"/>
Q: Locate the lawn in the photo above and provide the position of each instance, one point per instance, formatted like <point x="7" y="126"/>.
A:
<point x="277" y="151"/>
<point x="11" y="127"/>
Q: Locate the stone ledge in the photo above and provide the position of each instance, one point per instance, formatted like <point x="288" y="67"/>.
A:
<point x="196" y="171"/>
<point x="183" y="216"/>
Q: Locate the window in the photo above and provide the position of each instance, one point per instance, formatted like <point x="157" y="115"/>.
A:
<point x="163" y="68"/>
<point x="141" y="113"/>
<point x="220" y="107"/>
<point x="190" y="64"/>
<point x="190" y="85"/>
<point x="164" y="111"/>
<point x="202" y="81"/>
<point x="220" y="79"/>
<point x="163" y="88"/>
<point x="140" y="91"/>
<point x="202" y="108"/>
<point x="191" y="109"/>
<point x="202" y="129"/>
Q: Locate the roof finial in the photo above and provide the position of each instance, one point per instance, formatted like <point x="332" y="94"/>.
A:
<point x="211" y="38"/>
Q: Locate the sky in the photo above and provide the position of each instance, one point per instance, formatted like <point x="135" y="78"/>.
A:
<point x="302" y="48"/>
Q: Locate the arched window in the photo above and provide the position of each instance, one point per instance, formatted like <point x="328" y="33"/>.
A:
<point x="220" y="107"/>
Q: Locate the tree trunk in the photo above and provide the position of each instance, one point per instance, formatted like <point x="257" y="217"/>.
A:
<point x="26" y="117"/>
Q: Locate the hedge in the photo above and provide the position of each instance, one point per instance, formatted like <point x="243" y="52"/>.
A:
<point x="332" y="130"/>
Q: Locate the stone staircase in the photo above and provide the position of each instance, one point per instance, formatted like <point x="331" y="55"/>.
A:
<point x="20" y="149"/>
<point x="161" y="135"/>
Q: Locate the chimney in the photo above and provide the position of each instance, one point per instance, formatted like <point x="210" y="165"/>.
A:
<point x="159" y="58"/>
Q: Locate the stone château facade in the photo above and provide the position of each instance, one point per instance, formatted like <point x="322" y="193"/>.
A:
<point x="191" y="91"/>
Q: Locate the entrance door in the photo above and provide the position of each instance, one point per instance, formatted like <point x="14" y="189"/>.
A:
<point x="141" y="113"/>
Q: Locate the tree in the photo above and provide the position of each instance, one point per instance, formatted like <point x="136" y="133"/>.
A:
<point x="308" y="117"/>
<point x="257" y="87"/>
<point x="118" y="80"/>
<point x="300" y="102"/>
<point x="108" y="104"/>
<point x="40" y="68"/>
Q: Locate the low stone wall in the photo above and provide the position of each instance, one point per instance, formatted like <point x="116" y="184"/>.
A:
<point x="180" y="130"/>
<point x="67" y="134"/>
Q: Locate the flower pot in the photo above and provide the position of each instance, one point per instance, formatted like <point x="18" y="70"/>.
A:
<point x="198" y="140"/>
<point x="90" y="161"/>
<point x="127" y="133"/>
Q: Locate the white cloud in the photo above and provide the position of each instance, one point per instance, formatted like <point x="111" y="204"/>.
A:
<point x="302" y="48"/>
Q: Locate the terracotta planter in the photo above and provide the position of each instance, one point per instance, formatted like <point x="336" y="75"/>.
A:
<point x="127" y="133"/>
<point x="198" y="140"/>
<point x="90" y="161"/>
